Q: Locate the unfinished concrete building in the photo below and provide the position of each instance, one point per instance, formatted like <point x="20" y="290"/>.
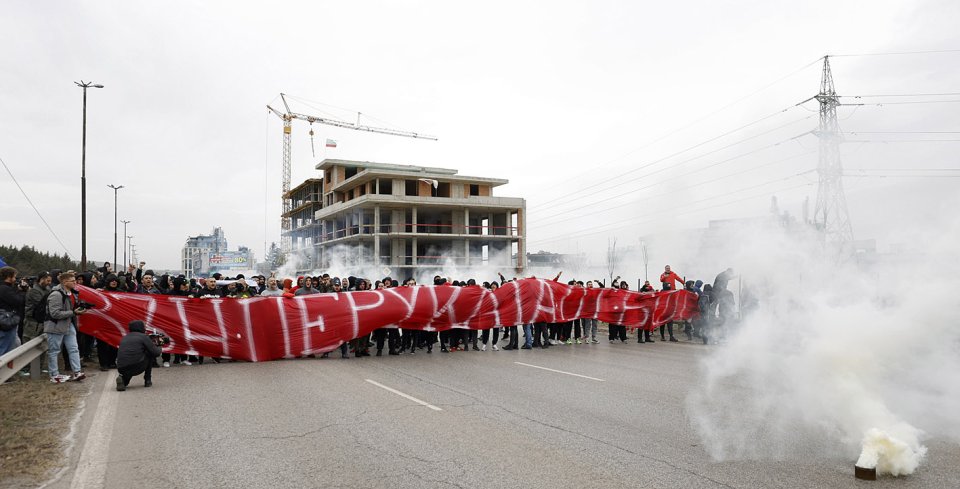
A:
<point x="305" y="200"/>
<point x="408" y="218"/>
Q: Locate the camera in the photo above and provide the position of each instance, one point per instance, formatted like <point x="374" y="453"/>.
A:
<point x="84" y="305"/>
<point x="159" y="339"/>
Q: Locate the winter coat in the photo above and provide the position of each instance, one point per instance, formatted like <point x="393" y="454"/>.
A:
<point x="11" y="298"/>
<point x="34" y="295"/>
<point x="60" y="316"/>
<point x="134" y="348"/>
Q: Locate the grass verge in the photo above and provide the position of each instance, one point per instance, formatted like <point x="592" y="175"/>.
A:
<point x="35" y="417"/>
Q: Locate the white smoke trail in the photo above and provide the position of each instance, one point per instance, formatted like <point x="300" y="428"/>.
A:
<point x="344" y="261"/>
<point x="836" y="360"/>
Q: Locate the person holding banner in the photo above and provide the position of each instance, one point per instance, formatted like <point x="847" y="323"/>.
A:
<point x="271" y="289"/>
<point x="496" y="331"/>
<point x="337" y="288"/>
<point x="410" y="338"/>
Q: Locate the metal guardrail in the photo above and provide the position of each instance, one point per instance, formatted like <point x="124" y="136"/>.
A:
<point x="28" y="353"/>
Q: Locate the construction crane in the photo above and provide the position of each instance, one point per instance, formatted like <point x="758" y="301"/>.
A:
<point x="287" y="118"/>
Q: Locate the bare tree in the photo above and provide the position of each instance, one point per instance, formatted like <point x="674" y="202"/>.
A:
<point x="646" y="260"/>
<point x="613" y="258"/>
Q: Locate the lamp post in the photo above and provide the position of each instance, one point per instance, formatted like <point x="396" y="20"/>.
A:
<point x="115" y="189"/>
<point x="83" y="177"/>
<point x="125" y="262"/>
<point x="130" y="247"/>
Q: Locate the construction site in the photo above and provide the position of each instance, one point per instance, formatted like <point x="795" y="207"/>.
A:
<point x="404" y="217"/>
<point x="395" y="218"/>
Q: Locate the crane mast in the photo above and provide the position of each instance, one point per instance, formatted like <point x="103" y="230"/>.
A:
<point x="288" y="116"/>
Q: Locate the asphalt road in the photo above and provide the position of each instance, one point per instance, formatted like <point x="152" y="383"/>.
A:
<point x="477" y="419"/>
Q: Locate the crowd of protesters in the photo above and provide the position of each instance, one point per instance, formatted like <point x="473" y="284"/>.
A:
<point x="57" y="291"/>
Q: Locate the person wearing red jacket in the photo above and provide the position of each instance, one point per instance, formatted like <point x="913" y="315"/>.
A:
<point x="670" y="277"/>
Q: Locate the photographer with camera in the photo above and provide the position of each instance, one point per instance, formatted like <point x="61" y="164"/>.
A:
<point x="136" y="355"/>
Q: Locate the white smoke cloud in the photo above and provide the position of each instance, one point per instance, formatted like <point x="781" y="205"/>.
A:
<point x="344" y="261"/>
<point x="836" y="360"/>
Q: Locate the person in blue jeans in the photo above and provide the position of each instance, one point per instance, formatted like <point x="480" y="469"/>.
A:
<point x="60" y="328"/>
<point x="527" y="337"/>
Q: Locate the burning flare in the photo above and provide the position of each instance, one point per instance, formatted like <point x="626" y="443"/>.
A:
<point x="890" y="455"/>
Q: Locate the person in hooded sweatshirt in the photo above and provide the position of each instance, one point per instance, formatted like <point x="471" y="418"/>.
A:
<point x="135" y="356"/>
<point x="107" y="354"/>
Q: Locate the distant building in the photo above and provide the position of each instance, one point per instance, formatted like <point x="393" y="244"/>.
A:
<point x="206" y="262"/>
<point x="215" y="242"/>
<point x="405" y="217"/>
<point x="207" y="253"/>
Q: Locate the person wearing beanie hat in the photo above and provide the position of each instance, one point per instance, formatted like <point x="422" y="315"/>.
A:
<point x="106" y="354"/>
<point x="135" y="356"/>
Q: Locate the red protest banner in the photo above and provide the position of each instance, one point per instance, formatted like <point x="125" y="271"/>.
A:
<point x="270" y="328"/>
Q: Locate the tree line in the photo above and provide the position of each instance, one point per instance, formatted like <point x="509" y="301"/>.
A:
<point x="29" y="262"/>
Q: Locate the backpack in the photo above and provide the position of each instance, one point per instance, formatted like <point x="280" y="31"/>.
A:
<point x="39" y="313"/>
<point x="9" y="320"/>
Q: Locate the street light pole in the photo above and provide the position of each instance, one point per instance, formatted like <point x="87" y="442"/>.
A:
<point x="115" y="189"/>
<point x="83" y="178"/>
<point x="130" y="248"/>
<point x="125" y="263"/>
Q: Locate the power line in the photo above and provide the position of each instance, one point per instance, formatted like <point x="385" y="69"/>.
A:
<point x="660" y="160"/>
<point x="603" y="227"/>
<point x="702" y="118"/>
<point x="560" y="213"/>
<point x="912" y="102"/>
<point x="35" y="208"/>
<point x="688" y="187"/>
<point x="894" y="53"/>
<point x="902" y="95"/>
<point x="900" y="140"/>
<point x="661" y="215"/>
<point x="902" y="132"/>
<point x="892" y="175"/>
<point x="903" y="169"/>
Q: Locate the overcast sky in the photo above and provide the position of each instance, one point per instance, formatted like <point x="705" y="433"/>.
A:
<point x="554" y="96"/>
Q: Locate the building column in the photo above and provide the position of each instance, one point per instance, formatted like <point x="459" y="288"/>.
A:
<point x="376" y="232"/>
<point x="522" y="246"/>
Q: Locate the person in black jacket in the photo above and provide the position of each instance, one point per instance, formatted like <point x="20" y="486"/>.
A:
<point x="135" y="356"/>
<point x="107" y="354"/>
<point x="12" y="300"/>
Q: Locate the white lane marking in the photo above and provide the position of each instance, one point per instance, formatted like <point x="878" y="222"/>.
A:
<point x="414" y="399"/>
<point x="92" y="466"/>
<point x="559" y="371"/>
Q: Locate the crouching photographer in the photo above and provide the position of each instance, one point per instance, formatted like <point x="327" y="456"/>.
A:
<point x="136" y="354"/>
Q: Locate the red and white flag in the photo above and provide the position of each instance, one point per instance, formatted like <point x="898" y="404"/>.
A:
<point x="331" y="143"/>
<point x="269" y="328"/>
